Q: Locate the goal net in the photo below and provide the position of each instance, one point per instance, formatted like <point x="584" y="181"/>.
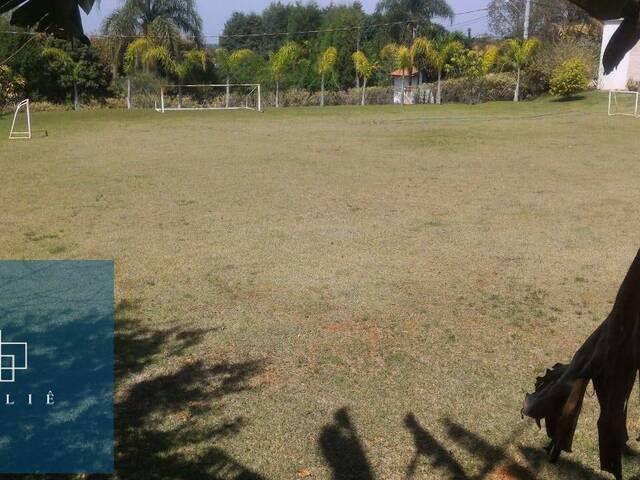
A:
<point x="623" y="102"/>
<point x="234" y="96"/>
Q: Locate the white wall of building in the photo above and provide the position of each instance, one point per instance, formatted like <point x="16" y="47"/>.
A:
<point x="616" y="80"/>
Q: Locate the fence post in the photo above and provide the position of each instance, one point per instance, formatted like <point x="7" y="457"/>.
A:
<point x="128" y="93"/>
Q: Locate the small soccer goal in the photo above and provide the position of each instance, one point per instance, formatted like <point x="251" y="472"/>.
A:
<point x="623" y="102"/>
<point x="15" y="134"/>
<point x="235" y="96"/>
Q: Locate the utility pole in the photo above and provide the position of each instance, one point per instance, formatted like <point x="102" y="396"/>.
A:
<point x="527" y="11"/>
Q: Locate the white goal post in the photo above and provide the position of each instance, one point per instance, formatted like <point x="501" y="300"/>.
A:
<point x="216" y="96"/>
<point x="627" y="105"/>
<point x="18" y="134"/>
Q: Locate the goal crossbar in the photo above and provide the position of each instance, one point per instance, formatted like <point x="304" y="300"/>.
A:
<point x="254" y="88"/>
<point x="613" y="108"/>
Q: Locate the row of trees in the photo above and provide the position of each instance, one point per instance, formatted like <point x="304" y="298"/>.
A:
<point x="163" y="39"/>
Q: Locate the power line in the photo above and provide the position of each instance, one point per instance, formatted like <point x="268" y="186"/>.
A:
<point x="276" y="34"/>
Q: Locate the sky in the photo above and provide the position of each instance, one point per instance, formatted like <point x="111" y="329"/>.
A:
<point x="215" y="13"/>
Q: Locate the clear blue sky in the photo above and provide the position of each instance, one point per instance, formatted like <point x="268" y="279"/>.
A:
<point x="216" y="12"/>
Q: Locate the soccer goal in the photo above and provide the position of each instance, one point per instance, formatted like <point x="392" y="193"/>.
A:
<point x="21" y="134"/>
<point x="235" y="96"/>
<point x="623" y="102"/>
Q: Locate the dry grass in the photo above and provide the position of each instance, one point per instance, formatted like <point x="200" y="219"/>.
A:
<point x="274" y="268"/>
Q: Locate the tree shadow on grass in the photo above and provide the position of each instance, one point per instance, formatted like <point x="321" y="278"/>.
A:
<point x="159" y="430"/>
<point x="492" y="459"/>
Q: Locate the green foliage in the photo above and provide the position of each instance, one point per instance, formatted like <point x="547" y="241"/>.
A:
<point x="418" y="12"/>
<point x="520" y="52"/>
<point x="570" y="78"/>
<point x="327" y="61"/>
<point x="553" y="54"/>
<point x="471" y="63"/>
<point x="363" y="65"/>
<point x="62" y="65"/>
<point x="11" y="87"/>
<point x="284" y="59"/>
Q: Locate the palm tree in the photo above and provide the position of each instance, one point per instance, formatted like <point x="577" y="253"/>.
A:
<point x="326" y="65"/>
<point x="364" y="68"/>
<point x="148" y="53"/>
<point x="230" y="65"/>
<point x="161" y="20"/>
<point x="420" y="55"/>
<point x="401" y="59"/>
<point x="413" y="14"/>
<point x="439" y="55"/>
<point x="66" y="66"/>
<point x="519" y="53"/>
<point x="280" y="62"/>
<point x="140" y="15"/>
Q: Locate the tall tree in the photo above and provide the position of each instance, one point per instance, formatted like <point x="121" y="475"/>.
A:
<point x="240" y="33"/>
<point x="547" y="21"/>
<point x="439" y="55"/>
<point x="519" y="53"/>
<point x="326" y="65"/>
<point x="141" y="16"/>
<point x="346" y="23"/>
<point x="417" y="14"/>
<point x="399" y="57"/>
<point x="365" y="69"/>
<point x="280" y="62"/>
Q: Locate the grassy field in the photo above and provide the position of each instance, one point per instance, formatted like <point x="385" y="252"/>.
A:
<point x="341" y="292"/>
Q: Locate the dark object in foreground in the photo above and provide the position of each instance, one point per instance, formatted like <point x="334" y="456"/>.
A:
<point x="627" y="35"/>
<point x="609" y="358"/>
<point x="60" y="18"/>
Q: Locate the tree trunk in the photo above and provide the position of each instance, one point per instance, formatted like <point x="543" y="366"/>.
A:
<point x="226" y="97"/>
<point x="277" y="94"/>
<point x="76" y="97"/>
<point x="364" y="89"/>
<point x="402" y="92"/>
<point x="322" y="91"/>
<point x="516" y="94"/>
<point x="438" y="91"/>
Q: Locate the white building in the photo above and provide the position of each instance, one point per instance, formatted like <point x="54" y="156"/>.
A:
<point x="629" y="68"/>
<point x="397" y="84"/>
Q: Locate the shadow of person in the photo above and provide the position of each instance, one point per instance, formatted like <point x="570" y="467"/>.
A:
<point x="427" y="446"/>
<point x="342" y="449"/>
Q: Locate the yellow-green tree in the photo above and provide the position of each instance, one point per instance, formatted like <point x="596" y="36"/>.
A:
<point x="281" y="62"/>
<point x="519" y="53"/>
<point x="439" y="54"/>
<point x="230" y="65"/>
<point x="191" y="61"/>
<point x="420" y="55"/>
<point x="326" y="65"/>
<point x="364" y="68"/>
<point x="400" y="59"/>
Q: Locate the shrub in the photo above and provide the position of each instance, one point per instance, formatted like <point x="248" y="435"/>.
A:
<point x="554" y="54"/>
<point x="11" y="87"/>
<point x="487" y="88"/>
<point x="570" y="78"/>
